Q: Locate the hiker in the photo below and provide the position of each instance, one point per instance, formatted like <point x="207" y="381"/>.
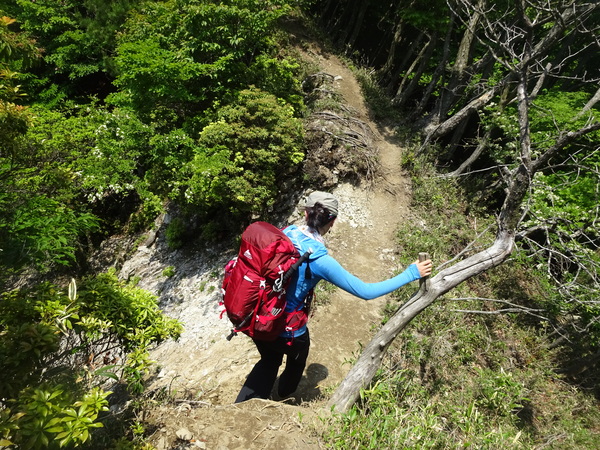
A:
<point x="321" y="209"/>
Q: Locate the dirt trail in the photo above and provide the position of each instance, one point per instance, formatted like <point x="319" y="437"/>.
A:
<point x="209" y="370"/>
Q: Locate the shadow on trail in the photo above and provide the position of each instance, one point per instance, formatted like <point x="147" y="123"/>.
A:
<point x="309" y="388"/>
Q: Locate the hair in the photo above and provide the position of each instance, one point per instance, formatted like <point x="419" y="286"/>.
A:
<point x="318" y="216"/>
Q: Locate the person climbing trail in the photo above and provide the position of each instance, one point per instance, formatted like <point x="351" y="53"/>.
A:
<point x="321" y="210"/>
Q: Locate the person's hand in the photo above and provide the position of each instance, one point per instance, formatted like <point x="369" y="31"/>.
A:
<point x="425" y="267"/>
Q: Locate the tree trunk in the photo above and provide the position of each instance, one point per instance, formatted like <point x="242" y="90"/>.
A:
<point x="412" y="49"/>
<point x="518" y="186"/>
<point x="458" y="81"/>
<point x="370" y="359"/>
<point x="433" y="131"/>
<point x="391" y="55"/>
<point x="346" y="21"/>
<point x="590" y="104"/>
<point x="326" y="17"/>
<point x="437" y="74"/>
<point x="422" y="59"/>
<point x="455" y="141"/>
<point x="539" y="84"/>
<point x="357" y="21"/>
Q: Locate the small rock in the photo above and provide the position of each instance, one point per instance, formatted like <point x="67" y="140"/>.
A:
<point x="184" y="434"/>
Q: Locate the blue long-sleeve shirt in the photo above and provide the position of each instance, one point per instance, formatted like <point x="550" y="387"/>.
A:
<point x="325" y="267"/>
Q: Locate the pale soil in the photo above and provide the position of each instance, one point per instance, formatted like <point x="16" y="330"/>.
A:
<point x="207" y="370"/>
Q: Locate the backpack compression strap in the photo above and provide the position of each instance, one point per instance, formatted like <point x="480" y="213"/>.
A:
<point x="280" y="283"/>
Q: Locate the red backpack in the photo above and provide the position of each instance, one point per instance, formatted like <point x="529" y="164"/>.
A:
<point x="255" y="283"/>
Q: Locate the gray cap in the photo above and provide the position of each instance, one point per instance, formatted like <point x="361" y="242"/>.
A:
<point x="324" y="198"/>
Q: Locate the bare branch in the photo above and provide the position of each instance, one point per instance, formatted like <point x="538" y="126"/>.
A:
<point x="562" y="142"/>
<point x="590" y="104"/>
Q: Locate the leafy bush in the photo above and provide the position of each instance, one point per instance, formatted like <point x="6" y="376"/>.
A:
<point x="53" y="417"/>
<point x="88" y="158"/>
<point x="43" y="232"/>
<point x="65" y="164"/>
<point x="78" y="38"/>
<point x="113" y="153"/>
<point x="57" y="348"/>
<point x="245" y="157"/>
<point x="279" y="77"/>
<point x="151" y="207"/>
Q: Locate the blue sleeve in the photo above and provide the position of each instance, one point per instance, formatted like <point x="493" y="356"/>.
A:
<point x="329" y="269"/>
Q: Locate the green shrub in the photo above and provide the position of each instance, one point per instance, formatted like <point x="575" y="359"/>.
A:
<point x="53" y="417"/>
<point x="175" y="58"/>
<point x="175" y="233"/>
<point x="150" y="208"/>
<point x="57" y="348"/>
<point x="168" y="271"/>
<point x="245" y="157"/>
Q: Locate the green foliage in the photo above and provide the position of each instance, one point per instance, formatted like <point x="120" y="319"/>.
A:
<point x="552" y="114"/>
<point x="505" y="394"/>
<point x="41" y="223"/>
<point x="150" y="208"/>
<point x="563" y="209"/>
<point x="175" y="233"/>
<point x="167" y="153"/>
<point x="568" y="200"/>
<point x="109" y="166"/>
<point x="244" y="157"/>
<point x="279" y="77"/>
<point x="133" y="315"/>
<point x="175" y="72"/>
<point x="500" y="392"/>
<point x="50" y="416"/>
<point x="481" y="380"/>
<point x="168" y="271"/>
<point x="17" y="51"/>
<point x="385" y="424"/>
<point x="432" y="15"/>
<point x="35" y="226"/>
<point x="78" y="38"/>
<point x="444" y="227"/>
<point x="86" y="149"/>
<point x="43" y="231"/>
<point x="181" y="55"/>
<point x="56" y="348"/>
<point x="558" y="110"/>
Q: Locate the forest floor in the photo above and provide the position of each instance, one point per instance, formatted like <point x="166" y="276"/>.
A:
<point x="198" y="377"/>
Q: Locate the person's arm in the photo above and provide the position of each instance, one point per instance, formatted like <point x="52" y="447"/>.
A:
<point x="329" y="269"/>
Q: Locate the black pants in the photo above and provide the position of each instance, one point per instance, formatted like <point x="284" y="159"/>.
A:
<point x="261" y="379"/>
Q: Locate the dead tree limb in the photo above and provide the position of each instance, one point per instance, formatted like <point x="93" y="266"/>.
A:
<point x="362" y="372"/>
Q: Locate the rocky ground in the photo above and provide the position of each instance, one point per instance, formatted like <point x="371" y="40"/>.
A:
<point x="203" y="371"/>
